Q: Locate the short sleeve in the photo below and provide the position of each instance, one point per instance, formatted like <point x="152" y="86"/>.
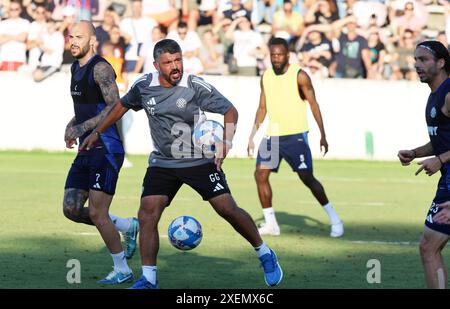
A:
<point x="133" y="99"/>
<point x="209" y="98"/>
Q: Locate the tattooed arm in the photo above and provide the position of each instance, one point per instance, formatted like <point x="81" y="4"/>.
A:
<point x="67" y="134"/>
<point x="104" y="77"/>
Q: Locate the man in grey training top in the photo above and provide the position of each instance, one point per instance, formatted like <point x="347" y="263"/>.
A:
<point x="173" y="103"/>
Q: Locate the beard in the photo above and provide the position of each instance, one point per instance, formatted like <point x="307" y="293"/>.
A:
<point x="174" y="81"/>
<point x="279" y="70"/>
<point x="80" y="52"/>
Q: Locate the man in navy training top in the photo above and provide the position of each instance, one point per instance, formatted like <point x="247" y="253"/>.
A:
<point x="433" y="67"/>
<point x="94" y="173"/>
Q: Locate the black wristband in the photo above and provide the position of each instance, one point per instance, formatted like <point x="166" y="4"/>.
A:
<point x="414" y="153"/>
<point x="440" y="160"/>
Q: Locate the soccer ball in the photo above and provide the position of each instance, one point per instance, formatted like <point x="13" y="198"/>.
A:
<point x="185" y="233"/>
<point x="206" y="135"/>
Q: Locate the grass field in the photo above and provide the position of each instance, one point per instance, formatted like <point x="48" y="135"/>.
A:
<point x="382" y="205"/>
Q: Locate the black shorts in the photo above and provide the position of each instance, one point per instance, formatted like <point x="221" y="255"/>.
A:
<point x="205" y="179"/>
<point x="442" y="195"/>
<point x="96" y="170"/>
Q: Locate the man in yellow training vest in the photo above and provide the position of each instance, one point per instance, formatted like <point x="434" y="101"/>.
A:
<point x="282" y="89"/>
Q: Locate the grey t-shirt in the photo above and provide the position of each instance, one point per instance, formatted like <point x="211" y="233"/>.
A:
<point x="172" y="114"/>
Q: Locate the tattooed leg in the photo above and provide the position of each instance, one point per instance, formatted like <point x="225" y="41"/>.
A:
<point x="73" y="206"/>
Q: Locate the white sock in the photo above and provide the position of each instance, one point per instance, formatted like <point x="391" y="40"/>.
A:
<point x="269" y="216"/>
<point x="121" y="224"/>
<point x="120" y="262"/>
<point x="263" y="249"/>
<point x="332" y="215"/>
<point x="149" y="273"/>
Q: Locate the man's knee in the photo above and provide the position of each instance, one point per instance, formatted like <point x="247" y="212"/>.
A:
<point x="98" y="216"/>
<point x="151" y="210"/>
<point x="307" y="178"/>
<point x="71" y="212"/>
<point x="225" y="205"/>
<point x="261" y="175"/>
<point x="428" y="250"/>
<point x="424" y="249"/>
<point x="73" y="204"/>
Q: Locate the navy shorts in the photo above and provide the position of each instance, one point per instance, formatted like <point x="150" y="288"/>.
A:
<point x="293" y="148"/>
<point x="95" y="170"/>
<point x="442" y="195"/>
<point x="205" y="179"/>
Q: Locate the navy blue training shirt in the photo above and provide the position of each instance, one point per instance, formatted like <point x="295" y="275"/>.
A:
<point x="88" y="102"/>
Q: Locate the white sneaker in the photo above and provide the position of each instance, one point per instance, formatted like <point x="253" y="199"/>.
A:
<point x="126" y="163"/>
<point x="266" y="229"/>
<point x="337" y="230"/>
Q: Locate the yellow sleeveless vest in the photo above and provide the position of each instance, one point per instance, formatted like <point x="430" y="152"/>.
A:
<point x="285" y="108"/>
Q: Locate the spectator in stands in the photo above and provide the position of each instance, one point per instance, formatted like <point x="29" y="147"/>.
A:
<point x="212" y="54"/>
<point x="190" y="44"/>
<point x="109" y="52"/>
<point x="139" y="29"/>
<point x="163" y="11"/>
<point x="120" y="42"/>
<point x="248" y="46"/>
<point x="403" y="58"/>
<point x="52" y="46"/>
<point x="316" y="51"/>
<point x="441" y="37"/>
<point x="352" y="51"/>
<point x="409" y="20"/>
<point x="220" y="29"/>
<point x="29" y="8"/>
<point x="121" y="7"/>
<point x="298" y="6"/>
<point x="369" y="13"/>
<point x="13" y="37"/>
<point x="57" y="13"/>
<point x="224" y="5"/>
<point x="37" y="30"/>
<point x="99" y="13"/>
<point x="236" y="11"/>
<point x="145" y="62"/>
<point x="287" y="24"/>
<point x="377" y="54"/>
<point x="204" y="17"/>
<point x="322" y="12"/>
<point x="345" y="7"/>
<point x="263" y="11"/>
<point x="110" y="20"/>
<point x="69" y="20"/>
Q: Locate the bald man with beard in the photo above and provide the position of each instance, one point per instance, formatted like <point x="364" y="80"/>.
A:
<point x="94" y="173"/>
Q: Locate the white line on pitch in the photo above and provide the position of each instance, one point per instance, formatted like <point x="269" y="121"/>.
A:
<point x="377" y="242"/>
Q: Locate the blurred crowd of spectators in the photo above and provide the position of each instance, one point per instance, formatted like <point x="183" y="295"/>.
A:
<point x="372" y="39"/>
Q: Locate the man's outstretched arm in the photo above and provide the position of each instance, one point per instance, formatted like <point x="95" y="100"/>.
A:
<point x="117" y="111"/>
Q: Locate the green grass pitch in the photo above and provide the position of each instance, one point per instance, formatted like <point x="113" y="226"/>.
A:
<point x="382" y="204"/>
